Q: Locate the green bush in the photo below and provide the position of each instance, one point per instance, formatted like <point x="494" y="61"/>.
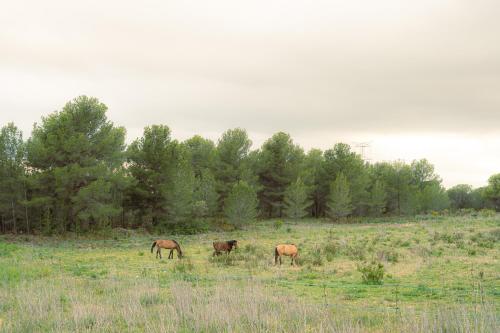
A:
<point x="278" y="224"/>
<point x="487" y="212"/>
<point x="183" y="266"/>
<point x="316" y="259"/>
<point x="372" y="273"/>
<point x="356" y="251"/>
<point x="150" y="299"/>
<point x="7" y="249"/>
<point x="388" y="255"/>
<point x="330" y="249"/>
<point x="224" y="260"/>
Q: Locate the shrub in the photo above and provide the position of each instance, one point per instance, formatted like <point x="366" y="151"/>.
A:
<point x="316" y="259"/>
<point x="278" y="224"/>
<point x="150" y="299"/>
<point x="356" y="252"/>
<point x="372" y="273"/>
<point x="224" y="260"/>
<point x="183" y="266"/>
<point x="487" y="212"/>
<point x="331" y="250"/>
<point x="388" y="255"/>
<point x="7" y="249"/>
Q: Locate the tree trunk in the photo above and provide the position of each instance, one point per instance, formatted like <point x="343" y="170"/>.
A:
<point x="14" y="216"/>
<point x="26" y="211"/>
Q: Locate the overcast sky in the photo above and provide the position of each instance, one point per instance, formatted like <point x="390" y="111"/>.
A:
<point x="416" y="79"/>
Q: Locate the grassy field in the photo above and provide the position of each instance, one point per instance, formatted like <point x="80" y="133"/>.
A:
<point x="440" y="274"/>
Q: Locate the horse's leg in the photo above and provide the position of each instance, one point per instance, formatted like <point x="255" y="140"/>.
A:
<point x="171" y="254"/>
<point x="213" y="254"/>
<point x="157" y="252"/>
<point x="280" y="259"/>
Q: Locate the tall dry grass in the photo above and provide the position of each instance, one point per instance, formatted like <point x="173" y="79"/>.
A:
<point x="110" y="305"/>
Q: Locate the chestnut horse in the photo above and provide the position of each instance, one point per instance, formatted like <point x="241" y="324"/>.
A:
<point x="285" y="250"/>
<point x="224" y="246"/>
<point x="168" y="244"/>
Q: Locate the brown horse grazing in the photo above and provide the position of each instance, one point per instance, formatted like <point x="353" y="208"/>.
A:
<point x="224" y="246"/>
<point x="168" y="244"/>
<point x="285" y="250"/>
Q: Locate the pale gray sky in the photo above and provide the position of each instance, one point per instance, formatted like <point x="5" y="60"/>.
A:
<point x="415" y="78"/>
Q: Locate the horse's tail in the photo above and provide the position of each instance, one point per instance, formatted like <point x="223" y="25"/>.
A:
<point x="276" y="255"/>
<point x="153" y="246"/>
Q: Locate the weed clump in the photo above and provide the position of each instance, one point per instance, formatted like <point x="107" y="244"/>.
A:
<point x="372" y="273"/>
<point x="278" y="224"/>
<point x="183" y="266"/>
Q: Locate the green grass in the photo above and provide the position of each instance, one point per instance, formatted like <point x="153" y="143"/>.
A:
<point x="429" y="264"/>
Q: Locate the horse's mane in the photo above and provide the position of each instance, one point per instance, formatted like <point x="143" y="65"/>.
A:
<point x="173" y="240"/>
<point x="232" y="241"/>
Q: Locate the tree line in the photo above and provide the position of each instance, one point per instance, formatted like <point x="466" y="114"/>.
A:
<point x="75" y="173"/>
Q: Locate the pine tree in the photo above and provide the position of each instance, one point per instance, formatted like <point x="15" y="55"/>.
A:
<point x="241" y="204"/>
<point x="378" y="198"/>
<point x="12" y="179"/>
<point x="279" y="164"/>
<point x="180" y="195"/>
<point x="230" y="161"/>
<point x="205" y="192"/>
<point x="152" y="160"/>
<point x="339" y="201"/>
<point x="296" y="200"/>
<point x="74" y="156"/>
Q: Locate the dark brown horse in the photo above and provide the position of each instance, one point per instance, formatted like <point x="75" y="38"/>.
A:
<point x="224" y="247"/>
<point x="168" y="244"/>
<point x="285" y="250"/>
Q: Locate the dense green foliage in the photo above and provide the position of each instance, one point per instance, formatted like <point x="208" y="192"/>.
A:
<point x="75" y="173"/>
<point x="241" y="204"/>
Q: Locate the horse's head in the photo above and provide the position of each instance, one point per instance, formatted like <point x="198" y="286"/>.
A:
<point x="234" y="243"/>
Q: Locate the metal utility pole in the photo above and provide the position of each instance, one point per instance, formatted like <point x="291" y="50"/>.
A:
<point x="363" y="146"/>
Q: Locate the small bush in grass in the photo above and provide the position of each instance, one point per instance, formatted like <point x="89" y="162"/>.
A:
<point x="183" y="266"/>
<point x="486" y="239"/>
<point x="356" y="252"/>
<point x="88" y="322"/>
<point x="372" y="273"/>
<point x="7" y="249"/>
<point x="278" y="224"/>
<point x="150" y="299"/>
<point x="471" y="251"/>
<point x="330" y="250"/>
<point x="224" y="260"/>
<point x="316" y="259"/>
<point x="250" y="248"/>
<point x="487" y="212"/>
<point x="388" y="255"/>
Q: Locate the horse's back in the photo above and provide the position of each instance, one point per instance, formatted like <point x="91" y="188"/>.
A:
<point x="220" y="246"/>
<point x="287" y="249"/>
<point x="166" y="243"/>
